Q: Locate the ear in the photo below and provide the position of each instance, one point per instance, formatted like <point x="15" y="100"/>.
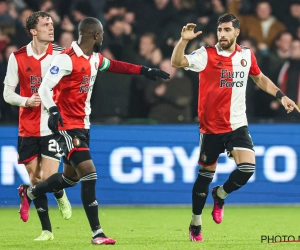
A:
<point x="237" y="32"/>
<point x="33" y="32"/>
<point x="96" y="36"/>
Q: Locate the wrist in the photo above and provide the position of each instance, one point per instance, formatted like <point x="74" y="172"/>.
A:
<point x="184" y="40"/>
<point x="53" y="109"/>
<point x="144" y="70"/>
<point x="26" y="103"/>
<point x="279" y="94"/>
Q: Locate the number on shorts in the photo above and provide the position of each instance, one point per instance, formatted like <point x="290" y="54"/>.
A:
<point x="53" y="146"/>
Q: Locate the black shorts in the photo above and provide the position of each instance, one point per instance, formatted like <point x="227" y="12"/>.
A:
<point x="74" y="140"/>
<point x="32" y="147"/>
<point x="212" y="145"/>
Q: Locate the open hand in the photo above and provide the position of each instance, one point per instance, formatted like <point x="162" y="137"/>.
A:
<point x="188" y="33"/>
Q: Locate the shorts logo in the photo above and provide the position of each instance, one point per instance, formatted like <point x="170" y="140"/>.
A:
<point x="54" y="70"/>
<point x="76" y="142"/>
<point x="203" y="157"/>
<point x="243" y="62"/>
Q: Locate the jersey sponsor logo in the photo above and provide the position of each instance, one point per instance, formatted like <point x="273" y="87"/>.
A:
<point x="225" y="75"/>
<point x="54" y="70"/>
<point x="35" y="82"/>
<point x="243" y="62"/>
<point x="87" y="84"/>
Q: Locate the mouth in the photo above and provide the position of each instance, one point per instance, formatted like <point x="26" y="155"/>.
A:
<point x="223" y="41"/>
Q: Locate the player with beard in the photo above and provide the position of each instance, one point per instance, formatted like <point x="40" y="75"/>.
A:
<point x="71" y="76"/>
<point x="223" y="73"/>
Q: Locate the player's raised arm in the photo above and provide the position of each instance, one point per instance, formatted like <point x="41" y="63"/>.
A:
<point x="178" y="59"/>
<point x="129" y="68"/>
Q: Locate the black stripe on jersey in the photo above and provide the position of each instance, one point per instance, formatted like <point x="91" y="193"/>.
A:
<point x="57" y="47"/>
<point x="71" y="52"/>
<point x="20" y="51"/>
<point x="244" y="47"/>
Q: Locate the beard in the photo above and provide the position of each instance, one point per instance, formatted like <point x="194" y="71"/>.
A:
<point x="97" y="48"/>
<point x="228" y="45"/>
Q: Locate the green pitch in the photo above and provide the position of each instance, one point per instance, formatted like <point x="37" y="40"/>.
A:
<point x="155" y="228"/>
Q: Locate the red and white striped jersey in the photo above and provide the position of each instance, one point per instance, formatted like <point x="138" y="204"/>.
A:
<point x="222" y="86"/>
<point x="27" y="69"/>
<point x="76" y="74"/>
<point x="72" y="76"/>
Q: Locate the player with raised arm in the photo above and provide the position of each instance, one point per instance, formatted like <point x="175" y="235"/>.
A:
<point x="223" y="73"/>
<point x="72" y="76"/>
<point x="37" y="147"/>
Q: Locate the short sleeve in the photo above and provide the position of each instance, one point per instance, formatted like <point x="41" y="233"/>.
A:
<point x="60" y="67"/>
<point x="12" y="76"/>
<point x="254" y="69"/>
<point x="197" y="60"/>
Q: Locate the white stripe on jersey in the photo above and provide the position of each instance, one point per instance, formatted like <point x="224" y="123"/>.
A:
<point x="238" y="116"/>
<point x="94" y="63"/>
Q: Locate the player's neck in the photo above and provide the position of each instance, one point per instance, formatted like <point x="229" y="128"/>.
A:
<point x="86" y="45"/>
<point x="39" y="47"/>
<point x="86" y="48"/>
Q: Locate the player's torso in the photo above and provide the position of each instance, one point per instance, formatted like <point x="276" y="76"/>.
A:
<point x="33" y="121"/>
<point x="222" y="91"/>
<point x="73" y="93"/>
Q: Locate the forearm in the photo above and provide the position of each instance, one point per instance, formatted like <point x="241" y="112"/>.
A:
<point x="11" y="97"/>
<point x="178" y="53"/>
<point x="46" y="94"/>
<point x="124" y="68"/>
<point x="267" y="85"/>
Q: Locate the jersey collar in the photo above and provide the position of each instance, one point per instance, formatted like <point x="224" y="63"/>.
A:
<point x="77" y="49"/>
<point x="29" y="50"/>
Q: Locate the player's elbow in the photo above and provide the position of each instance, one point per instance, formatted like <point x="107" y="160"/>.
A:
<point x="175" y="64"/>
<point x="6" y="96"/>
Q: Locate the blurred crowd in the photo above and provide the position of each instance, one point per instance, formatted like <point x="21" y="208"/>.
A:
<point x="145" y="32"/>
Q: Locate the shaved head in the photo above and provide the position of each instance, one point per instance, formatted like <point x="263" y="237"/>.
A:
<point x="89" y="25"/>
<point x="90" y="31"/>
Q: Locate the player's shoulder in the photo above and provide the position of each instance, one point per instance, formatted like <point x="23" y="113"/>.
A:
<point x="208" y="47"/>
<point x="20" y="51"/>
<point x="69" y="51"/>
<point x="243" y="47"/>
<point x="57" y="48"/>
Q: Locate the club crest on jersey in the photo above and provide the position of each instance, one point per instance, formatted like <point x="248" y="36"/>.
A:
<point x="76" y="141"/>
<point x="243" y="62"/>
<point x="54" y="70"/>
<point x="203" y="157"/>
